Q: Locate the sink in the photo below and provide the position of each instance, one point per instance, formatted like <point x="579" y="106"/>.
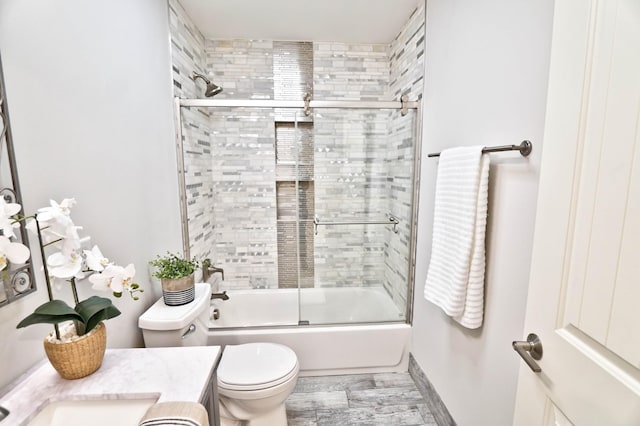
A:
<point x="101" y="412"/>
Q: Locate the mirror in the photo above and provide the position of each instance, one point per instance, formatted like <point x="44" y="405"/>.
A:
<point x="17" y="280"/>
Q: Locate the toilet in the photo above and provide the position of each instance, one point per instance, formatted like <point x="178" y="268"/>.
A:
<point x="254" y="379"/>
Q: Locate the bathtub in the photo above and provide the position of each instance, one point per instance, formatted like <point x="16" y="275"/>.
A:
<point x="359" y="331"/>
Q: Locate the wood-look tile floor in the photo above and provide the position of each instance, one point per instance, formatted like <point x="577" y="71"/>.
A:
<point x="385" y="399"/>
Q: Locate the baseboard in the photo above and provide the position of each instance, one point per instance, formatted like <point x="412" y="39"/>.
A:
<point x="435" y="404"/>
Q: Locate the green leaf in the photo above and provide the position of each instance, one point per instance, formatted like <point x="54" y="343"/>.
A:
<point x="173" y="266"/>
<point x="55" y="307"/>
<point x="45" y="319"/>
<point x="102" y="315"/>
<point x="96" y="309"/>
<point x="53" y="312"/>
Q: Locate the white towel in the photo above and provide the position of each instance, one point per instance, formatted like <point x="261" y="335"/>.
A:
<point x="175" y="413"/>
<point x="455" y="281"/>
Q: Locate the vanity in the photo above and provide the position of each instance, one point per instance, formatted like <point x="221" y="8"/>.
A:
<point x="128" y="382"/>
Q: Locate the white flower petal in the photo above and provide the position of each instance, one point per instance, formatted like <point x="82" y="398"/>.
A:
<point x="8" y="225"/>
<point x="31" y="226"/>
<point x="56" y="259"/>
<point x="68" y="270"/>
<point x="95" y="260"/>
<point x="130" y="271"/>
<point x="67" y="204"/>
<point x="100" y="282"/>
<point x="16" y="252"/>
<point x="64" y="266"/>
<point x="116" y="284"/>
<point x="10" y="209"/>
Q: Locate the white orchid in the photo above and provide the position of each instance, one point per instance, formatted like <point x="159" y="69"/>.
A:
<point x="57" y="227"/>
<point x="12" y="252"/>
<point x="60" y="213"/>
<point x="65" y="238"/>
<point x="95" y="260"/>
<point x="65" y="266"/>
<point x="7" y="222"/>
<point x="71" y="263"/>
<point x="114" y="278"/>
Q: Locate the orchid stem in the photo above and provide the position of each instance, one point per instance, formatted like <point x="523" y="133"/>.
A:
<point x="74" y="291"/>
<point x="46" y="272"/>
<point x="19" y="218"/>
<point x="53" y="242"/>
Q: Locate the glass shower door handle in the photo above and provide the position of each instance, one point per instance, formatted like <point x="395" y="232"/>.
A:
<point x="530" y="350"/>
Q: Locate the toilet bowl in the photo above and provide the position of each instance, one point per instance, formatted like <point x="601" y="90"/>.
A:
<point x="254" y="379"/>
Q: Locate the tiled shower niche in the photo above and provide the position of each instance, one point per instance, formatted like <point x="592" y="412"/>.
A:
<point x="295" y="170"/>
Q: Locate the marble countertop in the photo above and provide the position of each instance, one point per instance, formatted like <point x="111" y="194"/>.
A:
<point x="168" y="374"/>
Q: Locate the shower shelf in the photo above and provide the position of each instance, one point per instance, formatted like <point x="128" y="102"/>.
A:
<point x="391" y="220"/>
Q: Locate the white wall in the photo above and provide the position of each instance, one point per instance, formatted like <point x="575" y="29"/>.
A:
<point x="89" y="92"/>
<point x="486" y="77"/>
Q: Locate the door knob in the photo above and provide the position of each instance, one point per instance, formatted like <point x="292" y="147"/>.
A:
<point x="530" y="351"/>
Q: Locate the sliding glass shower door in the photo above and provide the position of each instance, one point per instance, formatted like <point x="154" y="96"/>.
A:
<point x="309" y="215"/>
<point x="363" y="192"/>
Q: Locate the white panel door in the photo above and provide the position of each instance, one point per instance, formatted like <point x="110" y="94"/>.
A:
<point x="584" y="294"/>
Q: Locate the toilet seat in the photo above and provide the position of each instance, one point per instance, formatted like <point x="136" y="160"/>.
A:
<point x="255" y="366"/>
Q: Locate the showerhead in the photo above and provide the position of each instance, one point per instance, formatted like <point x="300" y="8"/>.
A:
<point x="212" y="89"/>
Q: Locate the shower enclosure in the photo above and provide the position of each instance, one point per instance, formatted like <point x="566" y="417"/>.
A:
<point x="309" y="207"/>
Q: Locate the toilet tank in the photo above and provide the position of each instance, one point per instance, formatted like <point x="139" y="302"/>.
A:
<point x="184" y="325"/>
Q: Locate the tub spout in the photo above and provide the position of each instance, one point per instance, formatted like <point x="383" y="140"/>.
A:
<point x="208" y="270"/>
<point x="223" y="295"/>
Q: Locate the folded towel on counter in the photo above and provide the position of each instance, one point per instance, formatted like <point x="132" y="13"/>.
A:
<point x="455" y="281"/>
<point x="177" y="413"/>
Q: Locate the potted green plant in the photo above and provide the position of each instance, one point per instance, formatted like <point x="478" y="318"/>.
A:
<point x="177" y="276"/>
<point x="77" y="346"/>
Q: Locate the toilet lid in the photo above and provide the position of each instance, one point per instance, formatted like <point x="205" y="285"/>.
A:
<point x="253" y="366"/>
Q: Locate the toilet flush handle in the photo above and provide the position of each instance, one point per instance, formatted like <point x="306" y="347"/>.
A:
<point x="189" y="331"/>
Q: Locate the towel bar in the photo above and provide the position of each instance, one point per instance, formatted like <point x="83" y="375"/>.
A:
<point x="525" y="148"/>
<point x="391" y="220"/>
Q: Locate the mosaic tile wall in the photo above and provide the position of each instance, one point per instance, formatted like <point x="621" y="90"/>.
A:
<point x="350" y="179"/>
<point x="349" y="163"/>
<point x="350" y="71"/>
<point x="293" y="77"/>
<point x="187" y="53"/>
<point x="406" y="60"/>
<point x="399" y="188"/>
<point x="243" y="68"/>
<point x="246" y="234"/>
<point x="295" y="143"/>
<point x="244" y="187"/>
<point x="406" y="78"/>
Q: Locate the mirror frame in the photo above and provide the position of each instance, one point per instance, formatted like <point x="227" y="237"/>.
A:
<point x="15" y="282"/>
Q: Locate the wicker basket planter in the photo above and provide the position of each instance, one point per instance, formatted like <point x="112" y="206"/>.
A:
<point x="178" y="291"/>
<point x="80" y="358"/>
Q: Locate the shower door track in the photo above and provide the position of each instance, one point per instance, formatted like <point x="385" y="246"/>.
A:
<point x="269" y="103"/>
